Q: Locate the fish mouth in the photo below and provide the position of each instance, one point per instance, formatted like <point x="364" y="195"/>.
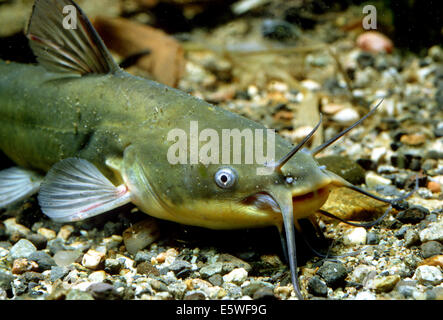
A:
<point x="303" y="204"/>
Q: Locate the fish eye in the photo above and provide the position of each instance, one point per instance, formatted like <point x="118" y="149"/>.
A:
<point x="225" y="177"/>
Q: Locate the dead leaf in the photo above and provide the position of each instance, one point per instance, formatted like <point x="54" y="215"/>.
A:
<point x="166" y="62"/>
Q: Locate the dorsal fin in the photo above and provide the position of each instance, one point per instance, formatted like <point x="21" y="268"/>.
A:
<point x="64" y="50"/>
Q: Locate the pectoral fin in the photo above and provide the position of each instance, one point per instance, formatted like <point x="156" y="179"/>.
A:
<point x="64" y="40"/>
<point x="16" y="184"/>
<point x="74" y="189"/>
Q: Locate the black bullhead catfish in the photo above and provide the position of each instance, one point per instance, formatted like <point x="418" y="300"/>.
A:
<point x="89" y="137"/>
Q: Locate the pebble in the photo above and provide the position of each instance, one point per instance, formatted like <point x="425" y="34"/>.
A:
<point x="236" y="276"/>
<point x="361" y="272"/>
<point x="428" y="275"/>
<point x="278" y="29"/>
<point x="38" y="240"/>
<point x="211" y="270"/>
<point x="92" y="259"/>
<point x="22" y="249"/>
<point x="434" y="186"/>
<point x="385" y="284"/>
<point x="65" y="232"/>
<point x="58" y="273"/>
<point x="415" y="139"/>
<point x="365" y="295"/>
<point x="317" y="287"/>
<point x="103" y="291"/>
<point x="412" y="215"/>
<point x="433" y="232"/>
<point x="436" y="261"/>
<point x="12" y="227"/>
<point x="47" y="233"/>
<point x="333" y="273"/>
<point x="6" y="278"/>
<point x="147" y="268"/>
<point x="411" y="238"/>
<point x="230" y="263"/>
<point x="64" y="258"/>
<point x="373" y="180"/>
<point x="355" y="236"/>
<point x="23" y="265"/>
<point x="140" y="235"/>
<point x="44" y="260"/>
<point x="113" y="266"/>
<point x="407" y="288"/>
<point x="372" y="238"/>
<point x="97" y="276"/>
<point x="346" y="116"/>
<point x="374" y="41"/>
<point x="74" y="294"/>
<point x="431" y="248"/>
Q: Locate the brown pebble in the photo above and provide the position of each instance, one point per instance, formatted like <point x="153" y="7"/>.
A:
<point x="147" y="269"/>
<point x="433" y="261"/>
<point x="434" y="186"/>
<point x="413" y="139"/>
<point x="23" y="265"/>
<point x="375" y="42"/>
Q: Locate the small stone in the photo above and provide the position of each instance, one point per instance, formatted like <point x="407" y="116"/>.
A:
<point x="180" y="268"/>
<point x="411" y="238"/>
<point x="147" y="268"/>
<point x="428" y="275"/>
<point x="92" y="259"/>
<point x="431" y="248"/>
<point x="38" y="240"/>
<point x="385" y="284"/>
<point x="436" y="261"/>
<point x="75" y="294"/>
<point x="412" y="215"/>
<point x="65" y="232"/>
<point x="355" y="236"/>
<point x="23" y="265"/>
<point x="47" y="233"/>
<point x="64" y="258"/>
<point x="22" y="249"/>
<point x="97" y="276"/>
<point x="58" y="273"/>
<point x="413" y="139"/>
<point x="230" y="263"/>
<point x="375" y="42"/>
<point x="13" y="227"/>
<point x="44" y="260"/>
<point x="6" y="278"/>
<point x="344" y="167"/>
<point x="140" y="235"/>
<point x="346" y="116"/>
<point x="103" y="291"/>
<point x="373" y="180"/>
<point x="216" y="280"/>
<point x="434" y="186"/>
<point x="407" y="288"/>
<point x="333" y="273"/>
<point x="113" y="266"/>
<point x="331" y="108"/>
<point x="210" y="270"/>
<point x="365" y="295"/>
<point x="433" y="232"/>
<point x="278" y="29"/>
<point x="361" y="272"/>
<point x="372" y="238"/>
<point x="195" y="295"/>
<point x="236" y="276"/>
<point x="317" y="287"/>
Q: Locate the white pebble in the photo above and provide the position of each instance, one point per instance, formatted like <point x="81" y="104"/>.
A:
<point x="97" y="276"/>
<point x="377" y="154"/>
<point x="361" y="272"/>
<point x="365" y="295"/>
<point x="346" y="115"/>
<point x="428" y="275"/>
<point x="92" y="259"/>
<point x="432" y="233"/>
<point x="355" y="236"/>
<point x="372" y="180"/>
<point x="237" y="276"/>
